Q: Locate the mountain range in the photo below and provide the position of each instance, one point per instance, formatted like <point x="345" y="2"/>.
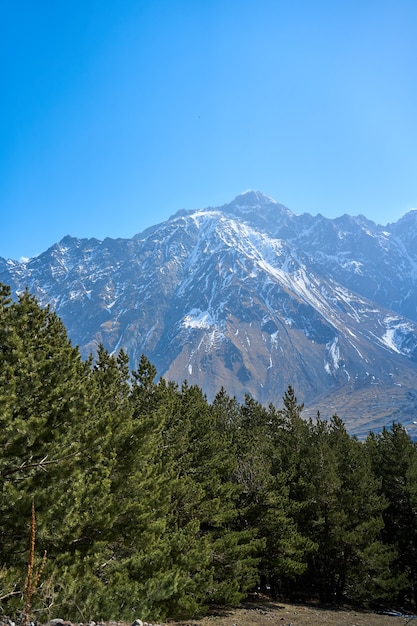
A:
<point x="251" y="297"/>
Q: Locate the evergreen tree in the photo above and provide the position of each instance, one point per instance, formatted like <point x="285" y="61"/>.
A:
<point x="342" y="516"/>
<point x="265" y="505"/>
<point x="394" y="461"/>
<point x="136" y="571"/>
<point x="43" y="399"/>
<point x="205" y="499"/>
<point x="288" y="545"/>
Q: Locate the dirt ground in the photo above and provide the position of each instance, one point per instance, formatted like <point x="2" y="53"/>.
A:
<point x="282" y="614"/>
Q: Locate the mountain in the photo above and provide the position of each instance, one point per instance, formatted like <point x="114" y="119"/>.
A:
<point x="251" y="297"/>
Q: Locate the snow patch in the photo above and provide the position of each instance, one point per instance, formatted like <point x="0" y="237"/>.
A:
<point x="275" y="338"/>
<point x="197" y="318"/>
<point x="396" y="331"/>
<point x="332" y="362"/>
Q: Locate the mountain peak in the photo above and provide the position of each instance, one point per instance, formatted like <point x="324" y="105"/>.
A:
<point x="258" y="208"/>
<point x="252" y="199"/>
<point x="246" y="203"/>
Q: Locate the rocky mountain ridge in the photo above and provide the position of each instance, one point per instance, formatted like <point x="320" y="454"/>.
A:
<point x="251" y="297"/>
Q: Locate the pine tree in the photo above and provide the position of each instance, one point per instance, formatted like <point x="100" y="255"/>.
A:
<point x="343" y="516"/>
<point x="204" y="501"/>
<point x="394" y="461"/>
<point x="43" y="395"/>
<point x="264" y="473"/>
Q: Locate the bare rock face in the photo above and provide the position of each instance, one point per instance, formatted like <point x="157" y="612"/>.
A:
<point x="252" y="298"/>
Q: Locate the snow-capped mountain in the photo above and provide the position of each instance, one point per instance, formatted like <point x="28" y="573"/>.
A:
<point x="251" y="297"/>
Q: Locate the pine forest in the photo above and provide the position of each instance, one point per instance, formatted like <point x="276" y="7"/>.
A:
<point x="125" y="496"/>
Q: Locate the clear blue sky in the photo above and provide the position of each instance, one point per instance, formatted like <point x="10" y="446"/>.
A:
<point x="116" y="114"/>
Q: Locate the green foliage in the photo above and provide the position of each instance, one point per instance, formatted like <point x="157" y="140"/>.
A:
<point x="344" y="515"/>
<point x="202" y="458"/>
<point x="43" y="390"/>
<point x="153" y="503"/>
<point x="394" y="462"/>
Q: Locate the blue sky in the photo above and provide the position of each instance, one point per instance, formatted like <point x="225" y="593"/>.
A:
<point x="114" y="115"/>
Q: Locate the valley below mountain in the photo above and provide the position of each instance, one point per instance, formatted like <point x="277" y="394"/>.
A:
<point x="252" y="298"/>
